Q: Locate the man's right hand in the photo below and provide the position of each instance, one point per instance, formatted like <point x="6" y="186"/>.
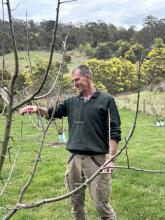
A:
<point x="28" y="109"/>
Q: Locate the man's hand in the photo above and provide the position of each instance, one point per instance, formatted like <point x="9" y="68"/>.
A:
<point x="109" y="168"/>
<point x="112" y="151"/>
<point x="28" y="109"/>
<point x="42" y="111"/>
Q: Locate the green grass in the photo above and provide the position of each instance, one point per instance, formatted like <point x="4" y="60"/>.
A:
<point x="150" y="102"/>
<point x="135" y="195"/>
<point x="77" y="58"/>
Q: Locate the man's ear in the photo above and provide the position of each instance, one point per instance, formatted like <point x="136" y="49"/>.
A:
<point x="88" y="77"/>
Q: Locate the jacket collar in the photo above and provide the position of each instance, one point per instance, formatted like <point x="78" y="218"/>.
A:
<point x="95" y="94"/>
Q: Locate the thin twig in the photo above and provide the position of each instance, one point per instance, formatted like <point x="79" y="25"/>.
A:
<point x="14" y="9"/>
<point x="3" y="48"/>
<point x="126" y="152"/>
<point x="136" y="169"/>
<point x="5" y="207"/>
<point x="34" y="83"/>
<point x="135" y="119"/>
<point x="33" y="121"/>
<point x="8" y="149"/>
<point x="68" y="1"/>
<point x="1" y="178"/>
<point x="14" y="77"/>
<point x="59" y="70"/>
<point x="28" y="45"/>
<point x="3" y="110"/>
<point x="13" y="166"/>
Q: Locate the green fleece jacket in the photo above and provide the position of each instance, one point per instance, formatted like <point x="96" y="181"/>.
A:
<point x="88" y="122"/>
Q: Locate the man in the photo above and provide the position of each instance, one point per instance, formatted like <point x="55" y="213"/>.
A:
<point x="89" y="115"/>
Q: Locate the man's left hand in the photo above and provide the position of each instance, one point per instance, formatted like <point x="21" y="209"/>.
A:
<point x="109" y="168"/>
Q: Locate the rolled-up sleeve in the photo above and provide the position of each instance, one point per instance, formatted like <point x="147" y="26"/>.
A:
<point x="115" y="122"/>
<point x="59" y="111"/>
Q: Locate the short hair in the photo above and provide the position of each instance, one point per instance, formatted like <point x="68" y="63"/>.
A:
<point x="84" y="70"/>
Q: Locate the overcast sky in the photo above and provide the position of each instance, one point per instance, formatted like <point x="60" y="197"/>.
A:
<point x="117" y="12"/>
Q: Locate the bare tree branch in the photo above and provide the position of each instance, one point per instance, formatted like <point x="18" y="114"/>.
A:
<point x="3" y="48"/>
<point x="14" y="77"/>
<point x="13" y="166"/>
<point x="137" y="169"/>
<point x="5" y="207"/>
<point x="27" y="44"/>
<point x="135" y="119"/>
<point x="11" y="93"/>
<point x="68" y="1"/>
<point x="10" y="108"/>
<point x="34" y="83"/>
<point x="31" y="97"/>
<point x="3" y="110"/>
<point x="25" y="187"/>
<point x="126" y="152"/>
<point x="59" y="70"/>
<point x="33" y="121"/>
<point x="5" y="95"/>
<point x="14" y="9"/>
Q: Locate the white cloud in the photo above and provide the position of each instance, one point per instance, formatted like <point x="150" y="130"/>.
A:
<point x="123" y="12"/>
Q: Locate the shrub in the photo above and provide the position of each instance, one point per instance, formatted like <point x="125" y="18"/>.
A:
<point x="67" y="58"/>
<point x="115" y="74"/>
<point x="103" y="51"/>
<point x="88" y="50"/>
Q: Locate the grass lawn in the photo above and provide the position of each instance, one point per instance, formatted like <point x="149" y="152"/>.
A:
<point x="135" y="195"/>
<point x="152" y="103"/>
<point x="77" y="58"/>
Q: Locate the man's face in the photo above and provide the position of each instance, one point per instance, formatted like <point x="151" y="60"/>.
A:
<point x="80" y="82"/>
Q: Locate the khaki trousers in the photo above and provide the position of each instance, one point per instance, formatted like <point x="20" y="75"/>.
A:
<point x="81" y="167"/>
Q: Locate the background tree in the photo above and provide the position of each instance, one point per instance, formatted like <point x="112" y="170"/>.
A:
<point x="134" y="53"/>
<point x="115" y="74"/>
<point x="123" y="47"/>
<point x="154" y="65"/>
<point x="103" y="51"/>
